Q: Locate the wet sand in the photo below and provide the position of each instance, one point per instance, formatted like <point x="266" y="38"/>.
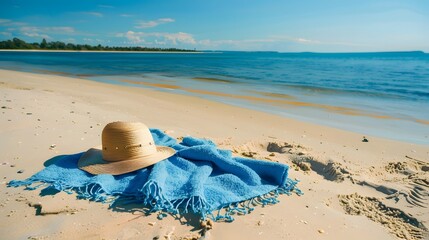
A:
<point x="275" y="99"/>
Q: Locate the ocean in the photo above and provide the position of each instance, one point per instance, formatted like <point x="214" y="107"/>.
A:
<point x="375" y="94"/>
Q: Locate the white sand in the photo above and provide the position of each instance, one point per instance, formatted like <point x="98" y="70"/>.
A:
<point x="349" y="198"/>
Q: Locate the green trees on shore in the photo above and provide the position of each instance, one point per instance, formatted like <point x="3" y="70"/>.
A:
<point x="17" y="43"/>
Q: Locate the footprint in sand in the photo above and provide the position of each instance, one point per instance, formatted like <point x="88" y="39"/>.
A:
<point x="331" y="170"/>
<point x="278" y="147"/>
<point x="398" y="222"/>
<point x="418" y="194"/>
<point x="336" y="172"/>
<point x="415" y="178"/>
<point x="258" y="149"/>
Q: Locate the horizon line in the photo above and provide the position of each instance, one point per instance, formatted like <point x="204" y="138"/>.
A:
<point x="218" y="51"/>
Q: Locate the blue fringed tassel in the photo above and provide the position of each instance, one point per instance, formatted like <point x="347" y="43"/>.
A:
<point x="152" y="195"/>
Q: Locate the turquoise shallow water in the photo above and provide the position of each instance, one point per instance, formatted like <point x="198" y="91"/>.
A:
<point x="382" y="94"/>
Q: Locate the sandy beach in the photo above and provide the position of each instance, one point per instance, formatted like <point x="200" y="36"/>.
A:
<point x="353" y="189"/>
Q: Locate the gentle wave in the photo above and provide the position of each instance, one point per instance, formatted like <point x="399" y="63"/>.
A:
<point x="208" y="79"/>
<point x="277" y="102"/>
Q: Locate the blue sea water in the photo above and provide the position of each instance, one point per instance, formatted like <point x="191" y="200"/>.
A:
<point x="381" y="94"/>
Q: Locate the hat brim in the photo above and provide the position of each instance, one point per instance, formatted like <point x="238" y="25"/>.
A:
<point x="92" y="161"/>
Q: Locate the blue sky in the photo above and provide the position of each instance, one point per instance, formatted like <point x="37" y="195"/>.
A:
<point x="275" y="25"/>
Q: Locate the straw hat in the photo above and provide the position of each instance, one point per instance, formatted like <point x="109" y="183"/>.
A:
<point x="126" y="147"/>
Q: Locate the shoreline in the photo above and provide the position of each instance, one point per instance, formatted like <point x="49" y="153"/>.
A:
<point x="92" y="51"/>
<point x="378" y="111"/>
<point x="398" y="127"/>
<point x="40" y="110"/>
<point x="155" y="93"/>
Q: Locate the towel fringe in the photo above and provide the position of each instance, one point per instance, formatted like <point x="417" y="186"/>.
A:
<point x="151" y="195"/>
<point x="199" y="205"/>
<point x="244" y="207"/>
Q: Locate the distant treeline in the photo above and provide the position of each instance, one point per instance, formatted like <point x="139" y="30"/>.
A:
<point x="17" y="43"/>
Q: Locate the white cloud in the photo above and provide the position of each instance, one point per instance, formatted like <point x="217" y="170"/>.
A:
<point x="179" y="37"/>
<point x="299" y="40"/>
<point x="42" y="32"/>
<point x="4" y="21"/>
<point x="95" y="40"/>
<point x="154" y="23"/>
<point x="244" y="44"/>
<point x="31" y="29"/>
<point x="7" y="34"/>
<point x="63" y="30"/>
<point x="126" y="15"/>
<point x="158" y="38"/>
<point x="36" y="35"/>
<point x="158" y="42"/>
<point x="51" y="30"/>
<point x="69" y="40"/>
<point x="306" y="41"/>
<point x="303" y="40"/>
<point x="95" y="14"/>
<point x="8" y="22"/>
<point x="183" y="39"/>
<point x="271" y="42"/>
<point x="132" y="37"/>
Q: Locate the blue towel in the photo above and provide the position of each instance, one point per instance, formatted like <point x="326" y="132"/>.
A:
<point x="199" y="178"/>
